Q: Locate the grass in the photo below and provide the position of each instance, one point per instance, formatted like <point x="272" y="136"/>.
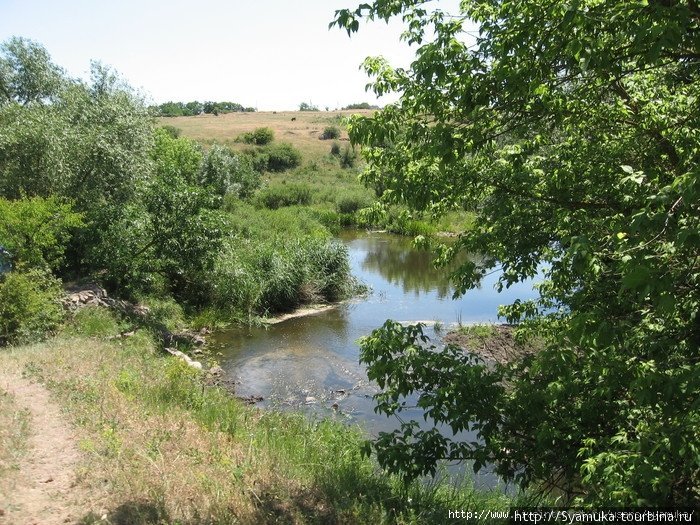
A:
<point x="167" y="449"/>
<point x="478" y="332"/>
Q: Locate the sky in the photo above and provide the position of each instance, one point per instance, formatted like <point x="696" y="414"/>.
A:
<point x="269" y="54"/>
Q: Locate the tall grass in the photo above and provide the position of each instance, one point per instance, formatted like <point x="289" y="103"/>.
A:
<point x="264" y="276"/>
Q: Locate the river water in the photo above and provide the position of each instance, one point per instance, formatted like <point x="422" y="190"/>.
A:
<point x="312" y="362"/>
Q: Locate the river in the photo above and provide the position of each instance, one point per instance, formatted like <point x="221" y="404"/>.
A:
<point x="312" y="362"/>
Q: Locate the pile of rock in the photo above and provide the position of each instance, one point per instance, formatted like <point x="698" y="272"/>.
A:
<point x="94" y="295"/>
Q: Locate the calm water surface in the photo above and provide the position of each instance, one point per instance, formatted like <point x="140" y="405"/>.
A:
<point x="312" y="362"/>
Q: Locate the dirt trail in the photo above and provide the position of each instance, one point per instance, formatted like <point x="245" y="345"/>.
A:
<point x="44" y="491"/>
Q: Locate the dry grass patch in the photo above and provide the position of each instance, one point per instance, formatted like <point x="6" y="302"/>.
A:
<point x="303" y="132"/>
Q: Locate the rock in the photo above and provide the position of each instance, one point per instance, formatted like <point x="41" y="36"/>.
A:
<point x="216" y="371"/>
<point x="187" y="359"/>
<point x="310" y="400"/>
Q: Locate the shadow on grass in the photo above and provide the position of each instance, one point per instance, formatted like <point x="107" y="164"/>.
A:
<point x="350" y="496"/>
<point x="131" y="513"/>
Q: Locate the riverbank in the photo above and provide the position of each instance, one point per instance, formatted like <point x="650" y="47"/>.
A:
<point x="491" y="342"/>
<point x="154" y="444"/>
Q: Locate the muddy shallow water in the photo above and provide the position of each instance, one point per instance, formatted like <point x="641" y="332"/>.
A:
<point x="312" y="362"/>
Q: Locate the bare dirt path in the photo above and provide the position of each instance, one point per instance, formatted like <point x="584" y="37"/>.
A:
<point x="44" y="490"/>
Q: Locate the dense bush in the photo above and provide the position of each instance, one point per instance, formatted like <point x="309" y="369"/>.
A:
<point x="259" y="137"/>
<point x="35" y="232"/>
<point x="330" y="132"/>
<point x="279" y="195"/>
<point x="282" y="156"/>
<point x="173" y="158"/>
<point x="335" y="149"/>
<point x="226" y="172"/>
<point x="29" y="305"/>
<point x="173" y="131"/>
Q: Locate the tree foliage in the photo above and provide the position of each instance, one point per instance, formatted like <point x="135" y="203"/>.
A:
<point x="93" y="145"/>
<point x="194" y="108"/>
<point x="35" y="232"/>
<point x="307" y="106"/>
<point x="571" y="127"/>
<point x="26" y="74"/>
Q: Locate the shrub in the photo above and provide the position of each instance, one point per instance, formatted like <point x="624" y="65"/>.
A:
<point x="330" y="132"/>
<point x="259" y="160"/>
<point x="225" y="172"/>
<point x="36" y="231"/>
<point x="348" y="158"/>
<point x="281" y="157"/>
<point x="259" y="137"/>
<point x="335" y="149"/>
<point x="176" y="157"/>
<point x="29" y="305"/>
<point x="172" y="131"/>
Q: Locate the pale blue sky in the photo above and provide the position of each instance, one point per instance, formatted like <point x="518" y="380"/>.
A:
<point x="271" y="54"/>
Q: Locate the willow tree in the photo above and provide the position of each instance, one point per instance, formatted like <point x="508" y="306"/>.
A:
<point x="570" y="127"/>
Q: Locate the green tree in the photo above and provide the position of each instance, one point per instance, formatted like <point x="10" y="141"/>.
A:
<point x="36" y="231"/>
<point x="176" y="158"/>
<point x="572" y="128"/>
<point x="84" y="142"/>
<point x="169" y="233"/>
<point x="307" y="106"/>
<point x="27" y="75"/>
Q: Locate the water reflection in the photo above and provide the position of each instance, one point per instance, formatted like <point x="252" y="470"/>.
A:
<point x="399" y="263"/>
